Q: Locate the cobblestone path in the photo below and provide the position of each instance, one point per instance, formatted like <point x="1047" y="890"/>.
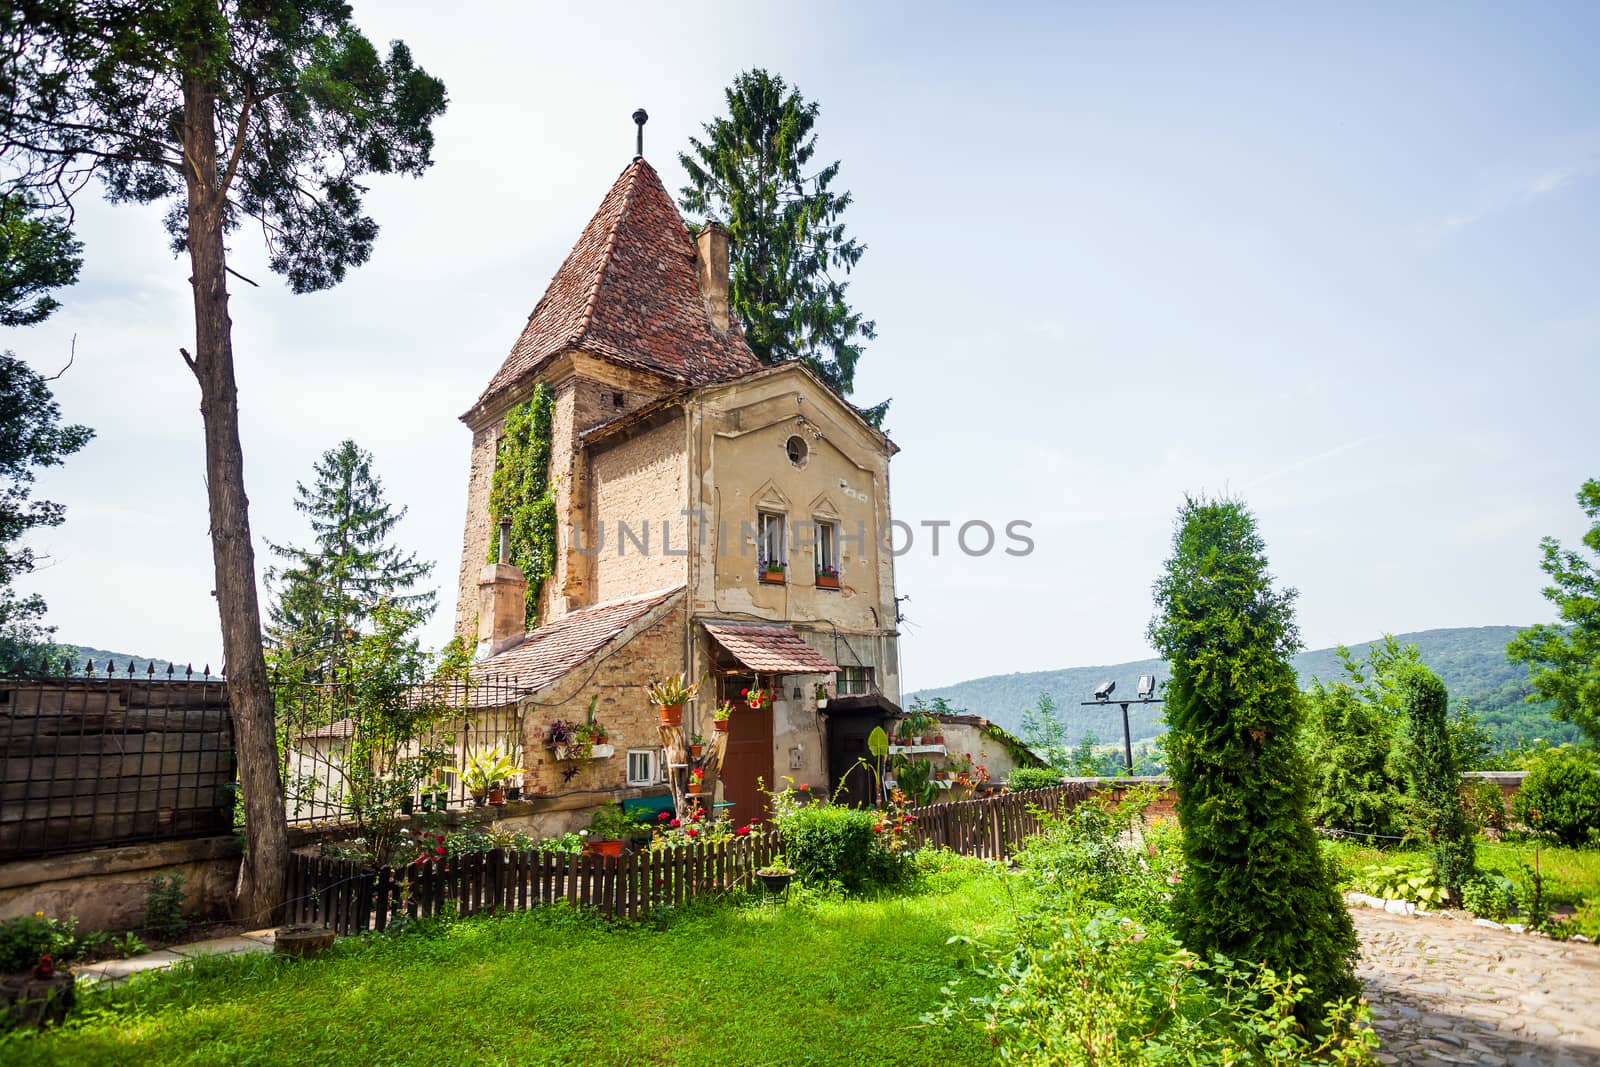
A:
<point x="1443" y="990"/>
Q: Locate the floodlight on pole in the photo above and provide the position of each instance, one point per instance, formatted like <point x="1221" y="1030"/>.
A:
<point x="1102" y="695"/>
<point x="1147" y="685"/>
<point x="1105" y="690"/>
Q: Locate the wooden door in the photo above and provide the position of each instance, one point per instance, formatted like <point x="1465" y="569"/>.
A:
<point x="748" y="760"/>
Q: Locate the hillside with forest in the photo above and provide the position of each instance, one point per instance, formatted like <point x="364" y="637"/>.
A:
<point x="1471" y="660"/>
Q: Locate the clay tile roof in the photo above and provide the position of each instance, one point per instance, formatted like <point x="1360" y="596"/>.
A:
<point x="769" y="648"/>
<point x="628" y="292"/>
<point x="554" y="649"/>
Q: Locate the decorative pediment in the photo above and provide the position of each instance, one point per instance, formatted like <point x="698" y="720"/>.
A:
<point x="770" y="498"/>
<point x="824" y="508"/>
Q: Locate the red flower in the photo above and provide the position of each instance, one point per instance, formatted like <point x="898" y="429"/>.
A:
<point x="674" y="823"/>
<point x="440" y="849"/>
<point x="879" y="828"/>
<point x="743" y="831"/>
<point x="664" y="816"/>
<point x="744" y="692"/>
<point x="802" y="785"/>
<point x="691" y="832"/>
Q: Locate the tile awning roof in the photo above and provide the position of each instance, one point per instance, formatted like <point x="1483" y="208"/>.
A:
<point x="628" y="292"/>
<point x="557" y="647"/>
<point x="769" y="648"/>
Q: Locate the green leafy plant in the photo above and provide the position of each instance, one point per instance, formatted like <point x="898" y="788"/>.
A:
<point x="673" y="690"/>
<point x="827" y="844"/>
<point x="1489" y="896"/>
<point x="1401" y="881"/>
<point x="523" y="492"/>
<point x="913" y="775"/>
<point x="163" y="905"/>
<point x="1560" y="797"/>
<point x="486" y="770"/>
<point x="1485" y="805"/>
<point x="27" y="937"/>
<point x="611" y="823"/>
<point x="128" y="945"/>
<point x="1023" y="779"/>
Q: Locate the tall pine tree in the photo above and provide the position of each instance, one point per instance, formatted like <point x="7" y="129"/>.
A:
<point x="226" y="111"/>
<point x="788" y="249"/>
<point x="1256" y="886"/>
<point x="326" y="594"/>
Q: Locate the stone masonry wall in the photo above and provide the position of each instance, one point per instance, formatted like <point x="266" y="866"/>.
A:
<point x="652" y="648"/>
<point x="640" y="482"/>
<point x="476" y="531"/>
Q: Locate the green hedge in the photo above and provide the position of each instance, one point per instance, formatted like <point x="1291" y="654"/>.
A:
<point x="835" y="844"/>
<point x="1560" y="798"/>
<point x="1033" y="778"/>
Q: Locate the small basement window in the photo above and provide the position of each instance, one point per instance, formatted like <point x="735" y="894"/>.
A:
<point x="617" y="400"/>
<point x="644" y="766"/>
<point x="798" y="450"/>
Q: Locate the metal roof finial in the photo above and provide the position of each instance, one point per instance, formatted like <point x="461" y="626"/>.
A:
<point x="640" y="117"/>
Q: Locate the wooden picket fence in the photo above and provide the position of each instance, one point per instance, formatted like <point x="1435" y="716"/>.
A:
<point x="348" y="898"/>
<point x="992" y="827"/>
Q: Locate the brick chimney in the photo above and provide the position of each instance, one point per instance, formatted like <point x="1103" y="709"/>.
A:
<point x="502" y="601"/>
<point x="711" y="264"/>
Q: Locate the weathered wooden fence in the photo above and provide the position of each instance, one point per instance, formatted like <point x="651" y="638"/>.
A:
<point x="348" y="898"/>
<point x="995" y="826"/>
<point x="91" y="762"/>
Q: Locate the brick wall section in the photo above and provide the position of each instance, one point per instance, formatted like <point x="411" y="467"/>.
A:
<point x="638" y="481"/>
<point x="650" y="649"/>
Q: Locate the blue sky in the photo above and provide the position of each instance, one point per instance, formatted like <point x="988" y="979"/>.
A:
<point x="1339" y="262"/>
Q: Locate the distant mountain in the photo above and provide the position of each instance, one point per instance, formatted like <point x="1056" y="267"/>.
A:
<point x="1471" y="660"/>
<point x="141" y="664"/>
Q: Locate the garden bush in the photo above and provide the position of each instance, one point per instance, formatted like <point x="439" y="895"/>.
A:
<point x="1560" y="798"/>
<point x="1108" y="991"/>
<point x="27" y="937"/>
<point x="1024" y="778"/>
<point x="1490" y="896"/>
<point x="1089" y="854"/>
<point x="1432" y="782"/>
<point x="825" y="843"/>
<point x="1485" y="806"/>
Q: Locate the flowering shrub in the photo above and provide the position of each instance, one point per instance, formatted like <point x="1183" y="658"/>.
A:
<point x="696" y="827"/>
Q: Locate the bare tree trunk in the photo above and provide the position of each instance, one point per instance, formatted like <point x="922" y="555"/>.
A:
<point x="262" y="877"/>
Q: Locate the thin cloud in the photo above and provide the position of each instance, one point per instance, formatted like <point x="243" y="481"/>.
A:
<point x="1320" y="457"/>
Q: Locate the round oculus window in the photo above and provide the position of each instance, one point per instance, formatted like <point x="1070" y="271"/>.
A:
<point x="798" y="451"/>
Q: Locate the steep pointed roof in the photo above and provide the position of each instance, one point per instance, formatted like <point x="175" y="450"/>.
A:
<point x="628" y="292"/>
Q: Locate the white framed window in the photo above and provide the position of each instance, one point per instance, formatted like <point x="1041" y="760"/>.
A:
<point x="827" y="547"/>
<point x="770" y="541"/>
<point x="644" y="766"/>
<point x="852" y="681"/>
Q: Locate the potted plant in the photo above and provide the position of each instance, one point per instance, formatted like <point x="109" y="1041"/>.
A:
<point x="827" y="576"/>
<point x="822" y="695"/>
<point x="772" y="570"/>
<point x="608" y="829"/>
<point x="697" y="780"/>
<point x="756" y="698"/>
<point x="485" y="771"/>
<point x="697" y="746"/>
<point x="720" y="717"/>
<point x="670" y="694"/>
<point x="776" y="876"/>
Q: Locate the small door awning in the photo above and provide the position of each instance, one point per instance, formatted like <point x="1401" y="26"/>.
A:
<point x="769" y="648"/>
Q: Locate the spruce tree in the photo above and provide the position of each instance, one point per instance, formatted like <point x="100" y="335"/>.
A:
<point x="327" y="593"/>
<point x="788" y="250"/>
<point x="1256" y="886"/>
<point x="1432" y="781"/>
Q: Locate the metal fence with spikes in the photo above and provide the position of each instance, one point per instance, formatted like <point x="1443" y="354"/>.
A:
<point x="113" y="757"/>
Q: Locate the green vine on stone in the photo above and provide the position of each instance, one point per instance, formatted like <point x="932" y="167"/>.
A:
<point x="524" y="490"/>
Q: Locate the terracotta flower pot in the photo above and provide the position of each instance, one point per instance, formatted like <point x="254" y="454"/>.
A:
<point x="696" y="750"/>
<point x="720" y="725"/>
<point x="827" y="581"/>
<point x="497" y="797"/>
<point x="671" y="714"/>
<point x="603" y="848"/>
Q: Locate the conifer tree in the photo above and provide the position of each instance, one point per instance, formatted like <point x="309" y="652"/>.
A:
<point x="1256" y="886"/>
<point x="327" y="593"/>
<point x="788" y="249"/>
<point x="1433" y="782"/>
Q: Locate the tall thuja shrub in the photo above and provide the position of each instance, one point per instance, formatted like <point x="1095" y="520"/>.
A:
<point x="1432" y="781"/>
<point x="1256" y="887"/>
<point x="524" y="491"/>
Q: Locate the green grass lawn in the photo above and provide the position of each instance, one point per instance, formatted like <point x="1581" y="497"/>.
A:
<point x="1571" y="875"/>
<point x="817" y="982"/>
